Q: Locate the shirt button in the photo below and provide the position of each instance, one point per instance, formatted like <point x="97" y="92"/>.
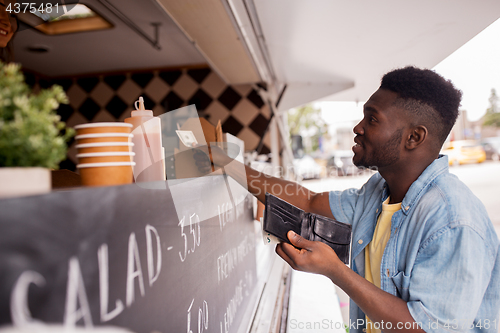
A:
<point x="360" y="241"/>
<point x="388" y="274"/>
<point x="407" y="207"/>
<point x="376" y="211"/>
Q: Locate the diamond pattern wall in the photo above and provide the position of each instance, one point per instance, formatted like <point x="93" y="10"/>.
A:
<point x="111" y="98"/>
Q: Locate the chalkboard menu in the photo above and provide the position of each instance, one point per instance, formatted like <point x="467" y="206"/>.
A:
<point x="170" y="257"/>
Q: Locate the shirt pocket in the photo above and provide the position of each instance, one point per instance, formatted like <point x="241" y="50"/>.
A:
<point x="402" y="283"/>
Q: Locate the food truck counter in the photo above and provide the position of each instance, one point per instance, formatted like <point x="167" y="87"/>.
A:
<point x="174" y="256"/>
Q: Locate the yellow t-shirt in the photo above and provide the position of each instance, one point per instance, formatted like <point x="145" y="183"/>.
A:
<point x="375" y="249"/>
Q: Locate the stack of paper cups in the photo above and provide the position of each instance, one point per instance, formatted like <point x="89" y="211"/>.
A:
<point x="105" y="154"/>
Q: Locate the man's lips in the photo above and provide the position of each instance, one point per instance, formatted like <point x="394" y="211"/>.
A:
<point x="3" y="32"/>
<point x="357" y="146"/>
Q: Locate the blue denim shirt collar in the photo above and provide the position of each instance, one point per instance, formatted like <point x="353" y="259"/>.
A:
<point x="436" y="168"/>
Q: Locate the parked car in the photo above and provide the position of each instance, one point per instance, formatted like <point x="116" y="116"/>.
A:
<point x="463" y="152"/>
<point x="491" y="148"/>
<point x="307" y="167"/>
<point x="340" y="164"/>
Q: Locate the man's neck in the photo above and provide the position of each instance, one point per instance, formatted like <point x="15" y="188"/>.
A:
<point x="399" y="178"/>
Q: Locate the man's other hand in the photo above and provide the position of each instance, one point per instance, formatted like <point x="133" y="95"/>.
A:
<point x="202" y="160"/>
<point x="308" y="256"/>
<point x="215" y="156"/>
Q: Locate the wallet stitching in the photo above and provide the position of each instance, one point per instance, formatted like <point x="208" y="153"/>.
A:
<point x="282" y="219"/>
<point x="327" y="237"/>
<point x="284" y="208"/>
<point x="281" y="210"/>
<point x="331" y="242"/>
<point x="340" y="224"/>
<point x="284" y="212"/>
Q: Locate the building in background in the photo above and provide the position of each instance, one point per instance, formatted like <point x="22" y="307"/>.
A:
<point x="464" y="129"/>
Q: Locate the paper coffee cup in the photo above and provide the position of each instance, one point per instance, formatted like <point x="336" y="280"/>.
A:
<point x="101" y="147"/>
<point x="106" y="174"/>
<point x="105" y="157"/>
<point x="105" y="127"/>
<point x="104" y="137"/>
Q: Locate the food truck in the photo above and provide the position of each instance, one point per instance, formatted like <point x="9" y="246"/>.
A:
<point x="185" y="253"/>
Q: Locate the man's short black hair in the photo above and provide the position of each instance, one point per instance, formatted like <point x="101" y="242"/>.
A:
<point x="432" y="99"/>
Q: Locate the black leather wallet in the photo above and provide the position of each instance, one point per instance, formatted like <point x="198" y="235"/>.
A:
<point x="280" y="217"/>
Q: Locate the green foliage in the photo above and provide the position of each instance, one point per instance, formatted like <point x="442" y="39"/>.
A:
<point x="492" y="117"/>
<point x="307" y="121"/>
<point x="492" y="120"/>
<point x="30" y="129"/>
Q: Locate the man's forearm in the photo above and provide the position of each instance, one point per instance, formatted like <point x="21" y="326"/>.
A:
<point x="259" y="183"/>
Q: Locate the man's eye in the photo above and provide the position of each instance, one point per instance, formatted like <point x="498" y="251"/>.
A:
<point x="372" y="119"/>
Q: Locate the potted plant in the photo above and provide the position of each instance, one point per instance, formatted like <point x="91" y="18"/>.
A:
<point x="32" y="137"/>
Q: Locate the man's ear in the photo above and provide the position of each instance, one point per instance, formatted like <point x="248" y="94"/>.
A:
<point x="417" y="136"/>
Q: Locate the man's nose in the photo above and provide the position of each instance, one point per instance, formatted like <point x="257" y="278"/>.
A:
<point x="358" y="129"/>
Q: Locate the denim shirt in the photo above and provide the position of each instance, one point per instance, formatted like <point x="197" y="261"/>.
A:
<point x="442" y="257"/>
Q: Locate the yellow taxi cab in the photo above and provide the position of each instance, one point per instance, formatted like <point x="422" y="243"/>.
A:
<point x="464" y="152"/>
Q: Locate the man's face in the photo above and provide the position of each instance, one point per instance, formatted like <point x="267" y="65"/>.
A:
<point x="8" y="24"/>
<point x="379" y="134"/>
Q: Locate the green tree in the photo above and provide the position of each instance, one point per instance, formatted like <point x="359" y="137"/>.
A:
<point x="492" y="117"/>
<point x="306" y="121"/>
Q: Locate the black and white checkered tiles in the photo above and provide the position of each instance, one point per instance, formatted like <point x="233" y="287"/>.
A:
<point x="111" y="97"/>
